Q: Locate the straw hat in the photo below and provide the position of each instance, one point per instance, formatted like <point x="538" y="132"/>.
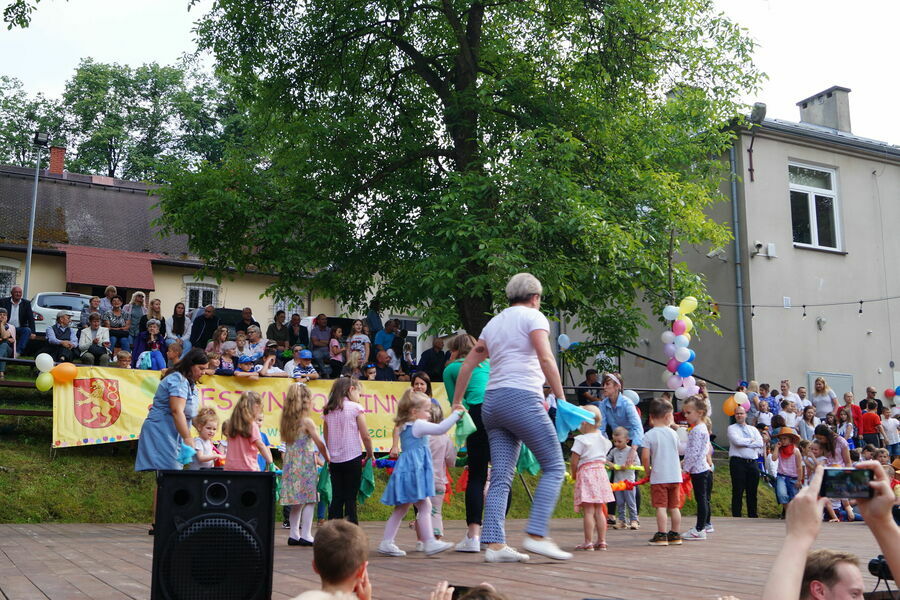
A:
<point x="788" y="431"/>
<point x="896" y="464"/>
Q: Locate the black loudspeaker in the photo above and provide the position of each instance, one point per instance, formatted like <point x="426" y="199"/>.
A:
<point x="214" y="535"/>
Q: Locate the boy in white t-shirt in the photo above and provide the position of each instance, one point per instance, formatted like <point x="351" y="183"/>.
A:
<point x="660" y="458"/>
<point x="891" y="427"/>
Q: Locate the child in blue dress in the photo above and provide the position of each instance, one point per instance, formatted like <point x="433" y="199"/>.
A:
<point x="412" y="482"/>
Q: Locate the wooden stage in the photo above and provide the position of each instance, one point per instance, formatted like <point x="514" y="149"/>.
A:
<point x="62" y="561"/>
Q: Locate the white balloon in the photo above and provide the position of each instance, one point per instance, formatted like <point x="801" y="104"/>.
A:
<point x="682" y="434"/>
<point x="564" y="341"/>
<point x="741" y="397"/>
<point x="690" y="382"/>
<point x="43" y="362"/>
<point x="682" y="354"/>
<point x="633" y="396"/>
<point x="682" y="393"/>
<point x="681" y="341"/>
<point x="665" y="375"/>
<point x="667" y="336"/>
<point x="670" y="313"/>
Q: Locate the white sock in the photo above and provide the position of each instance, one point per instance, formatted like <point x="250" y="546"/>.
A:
<point x="306" y="520"/>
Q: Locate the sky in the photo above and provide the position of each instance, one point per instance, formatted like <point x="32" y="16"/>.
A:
<point x="805" y="46"/>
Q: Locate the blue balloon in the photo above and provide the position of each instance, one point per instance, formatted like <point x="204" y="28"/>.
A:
<point x="686" y="369"/>
<point x="574" y="345"/>
<point x="681" y="341"/>
<point x="564" y="341"/>
<point x="897" y="390"/>
<point x="670" y="313"/>
<point x="693" y="356"/>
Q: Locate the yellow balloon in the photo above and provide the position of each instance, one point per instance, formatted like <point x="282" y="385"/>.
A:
<point x="44" y="382"/>
<point x="687" y="335"/>
<point x="688" y="305"/>
<point x="688" y="324"/>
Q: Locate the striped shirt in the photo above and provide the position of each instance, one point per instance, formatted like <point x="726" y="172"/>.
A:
<point x="343" y="439"/>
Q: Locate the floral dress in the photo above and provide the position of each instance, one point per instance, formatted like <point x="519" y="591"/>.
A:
<point x="299" y="479"/>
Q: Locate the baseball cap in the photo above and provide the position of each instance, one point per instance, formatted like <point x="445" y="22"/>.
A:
<point x="305" y="354"/>
<point x="245" y="359"/>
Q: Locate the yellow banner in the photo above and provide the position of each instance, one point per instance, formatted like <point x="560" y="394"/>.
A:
<point x="103" y="405"/>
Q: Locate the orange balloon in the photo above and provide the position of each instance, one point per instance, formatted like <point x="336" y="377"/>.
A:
<point x="729" y="405"/>
<point x="64" y="372"/>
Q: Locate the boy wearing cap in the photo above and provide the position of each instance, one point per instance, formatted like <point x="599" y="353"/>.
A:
<point x="304" y="371"/>
<point x="790" y="465"/>
<point x="247" y="368"/>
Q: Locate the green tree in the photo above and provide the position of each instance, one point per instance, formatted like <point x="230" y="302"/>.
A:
<point x="21" y="116"/>
<point x="422" y="152"/>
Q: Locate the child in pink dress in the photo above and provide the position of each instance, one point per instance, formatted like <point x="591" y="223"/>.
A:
<point x="592" y="488"/>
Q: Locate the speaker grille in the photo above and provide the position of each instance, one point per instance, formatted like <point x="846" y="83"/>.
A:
<point x="198" y="562"/>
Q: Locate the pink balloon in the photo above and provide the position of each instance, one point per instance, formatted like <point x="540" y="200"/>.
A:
<point x="674" y="382"/>
<point x="669" y="350"/>
<point x="689" y="382"/>
<point x="679" y="327"/>
<point x="694" y="390"/>
<point x="746" y="405"/>
<point x="672" y="365"/>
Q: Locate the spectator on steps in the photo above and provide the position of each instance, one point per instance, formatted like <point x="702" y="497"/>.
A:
<point x="7" y="340"/>
<point x="93" y="344"/>
<point x="93" y="306"/>
<point x="106" y="300"/>
<point x="298" y="334"/>
<point x="179" y="329"/>
<point x="62" y="344"/>
<point x="154" y="311"/>
<point x="203" y="327"/>
<point x="278" y="331"/>
<point x="246" y="321"/>
<point x="20" y="317"/>
<point x="118" y="323"/>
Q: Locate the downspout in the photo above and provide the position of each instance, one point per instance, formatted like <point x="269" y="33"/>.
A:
<point x="738" y="263"/>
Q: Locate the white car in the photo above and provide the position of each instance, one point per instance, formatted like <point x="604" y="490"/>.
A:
<point x="46" y="305"/>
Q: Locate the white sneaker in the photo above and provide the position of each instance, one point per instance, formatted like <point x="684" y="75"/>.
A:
<point x="545" y="547"/>
<point x="709" y="529"/>
<point x="693" y="535"/>
<point x="436" y="546"/>
<point x="468" y="544"/>
<point x="420" y="546"/>
<point x="504" y="555"/>
<point x="387" y="548"/>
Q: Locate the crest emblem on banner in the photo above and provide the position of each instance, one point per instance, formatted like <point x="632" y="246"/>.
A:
<point x="97" y="402"/>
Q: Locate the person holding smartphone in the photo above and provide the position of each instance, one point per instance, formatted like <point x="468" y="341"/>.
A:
<point x="829" y="573"/>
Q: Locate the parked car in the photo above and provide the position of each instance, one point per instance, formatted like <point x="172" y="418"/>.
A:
<point x="47" y="305"/>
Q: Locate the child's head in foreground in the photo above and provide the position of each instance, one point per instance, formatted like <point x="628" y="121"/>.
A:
<point x="340" y="552"/>
<point x="660" y="412"/>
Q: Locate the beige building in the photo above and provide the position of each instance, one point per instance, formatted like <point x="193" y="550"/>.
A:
<point x="815" y="212"/>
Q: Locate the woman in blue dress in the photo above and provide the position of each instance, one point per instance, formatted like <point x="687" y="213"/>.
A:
<point x="168" y="424"/>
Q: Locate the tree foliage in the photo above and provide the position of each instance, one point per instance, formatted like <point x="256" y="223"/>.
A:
<point x="21" y="115"/>
<point x="421" y="151"/>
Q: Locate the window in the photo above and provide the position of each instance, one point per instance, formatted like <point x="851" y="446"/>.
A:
<point x="289" y="307"/>
<point x="201" y="294"/>
<point x="813" y="196"/>
<point x="7" y="280"/>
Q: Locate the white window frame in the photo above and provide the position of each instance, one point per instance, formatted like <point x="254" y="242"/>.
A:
<point x="289" y="307"/>
<point x="811" y="193"/>
<point x="14" y="272"/>
<point x="200" y="288"/>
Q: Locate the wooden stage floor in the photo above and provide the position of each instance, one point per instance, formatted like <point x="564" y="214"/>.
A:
<point x="79" y="561"/>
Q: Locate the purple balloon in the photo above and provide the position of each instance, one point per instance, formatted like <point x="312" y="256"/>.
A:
<point x="674" y="382"/>
<point x="689" y="382"/>
<point x="669" y="350"/>
<point x="694" y="389"/>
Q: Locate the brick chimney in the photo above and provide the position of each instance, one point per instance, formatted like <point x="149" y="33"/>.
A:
<point x="830" y="108"/>
<point x="57" y="159"/>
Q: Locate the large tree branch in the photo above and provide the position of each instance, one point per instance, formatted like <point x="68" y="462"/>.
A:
<point x="393" y="167"/>
<point x="422" y="67"/>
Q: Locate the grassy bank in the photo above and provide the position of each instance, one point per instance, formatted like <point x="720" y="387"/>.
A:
<point x="97" y="484"/>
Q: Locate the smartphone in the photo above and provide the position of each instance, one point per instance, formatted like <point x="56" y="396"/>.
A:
<point x="846" y="483"/>
<point x="459" y="591"/>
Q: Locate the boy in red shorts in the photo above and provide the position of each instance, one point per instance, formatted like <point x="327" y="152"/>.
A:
<point x="660" y="457"/>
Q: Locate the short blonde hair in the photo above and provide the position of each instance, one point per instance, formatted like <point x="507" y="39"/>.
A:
<point x="522" y="286"/>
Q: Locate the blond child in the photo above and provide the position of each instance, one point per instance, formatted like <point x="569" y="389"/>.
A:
<point x="243" y="435"/>
<point x="412" y="482"/>
<point x="660" y="458"/>
<point x="592" y="488"/>
<point x="818" y="454"/>
<point x="300" y="476"/>
<point x="206" y="423"/>
<point x="695" y="462"/>
<point x="883" y="456"/>
<point x="123" y="359"/>
<point x="626" y="502"/>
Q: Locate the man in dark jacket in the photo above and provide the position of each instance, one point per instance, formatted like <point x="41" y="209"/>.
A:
<point x="203" y="327"/>
<point x="434" y="360"/>
<point x="20" y="316"/>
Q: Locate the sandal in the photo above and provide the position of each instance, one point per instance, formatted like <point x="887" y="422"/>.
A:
<point x="600" y="546"/>
<point x="586" y="546"/>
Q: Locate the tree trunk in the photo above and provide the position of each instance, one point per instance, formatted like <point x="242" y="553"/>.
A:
<point x="475" y="312"/>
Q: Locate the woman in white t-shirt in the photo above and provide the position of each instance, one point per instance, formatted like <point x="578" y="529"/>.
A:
<point x="517" y="341"/>
<point x="824" y="399"/>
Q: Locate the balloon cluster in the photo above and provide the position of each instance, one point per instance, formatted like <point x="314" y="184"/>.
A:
<point x="732" y="402"/>
<point x="49" y="374"/>
<point x="891" y="392"/>
<point x="679" y="373"/>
